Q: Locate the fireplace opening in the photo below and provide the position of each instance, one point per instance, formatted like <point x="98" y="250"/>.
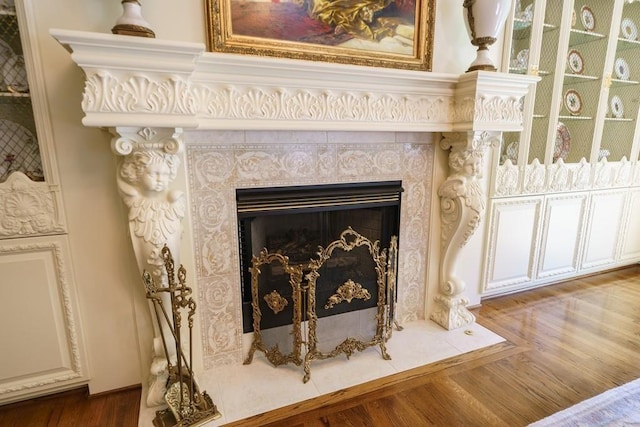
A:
<point x="294" y="221"/>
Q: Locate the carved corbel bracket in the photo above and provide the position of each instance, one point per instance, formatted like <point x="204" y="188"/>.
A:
<point x="145" y="176"/>
<point x="462" y="204"/>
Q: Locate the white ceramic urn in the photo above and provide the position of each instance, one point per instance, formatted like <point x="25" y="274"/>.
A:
<point x="484" y="20"/>
<point x="132" y="23"/>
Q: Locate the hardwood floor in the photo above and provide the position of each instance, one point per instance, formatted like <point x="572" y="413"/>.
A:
<point x="75" y="408"/>
<point x="565" y="343"/>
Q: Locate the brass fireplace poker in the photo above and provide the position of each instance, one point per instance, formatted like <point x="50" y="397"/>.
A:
<point x="187" y="406"/>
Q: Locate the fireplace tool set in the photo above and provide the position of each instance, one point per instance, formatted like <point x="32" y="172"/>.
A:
<point x="302" y="292"/>
<point x="187" y="405"/>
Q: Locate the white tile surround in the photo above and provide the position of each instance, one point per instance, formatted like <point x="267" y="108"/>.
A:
<point x="219" y="162"/>
<point x="240" y="391"/>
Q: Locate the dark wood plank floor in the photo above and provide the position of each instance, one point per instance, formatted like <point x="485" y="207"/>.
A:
<point x="565" y="343"/>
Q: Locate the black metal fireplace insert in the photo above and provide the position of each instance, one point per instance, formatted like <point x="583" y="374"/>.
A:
<point x="296" y="220"/>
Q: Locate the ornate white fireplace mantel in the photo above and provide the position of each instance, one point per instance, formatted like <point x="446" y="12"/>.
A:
<point x="149" y="90"/>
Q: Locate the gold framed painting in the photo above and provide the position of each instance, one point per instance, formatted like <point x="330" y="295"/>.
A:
<point x="380" y="33"/>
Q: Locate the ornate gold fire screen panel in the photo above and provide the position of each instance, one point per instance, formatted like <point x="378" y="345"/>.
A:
<point x="307" y="299"/>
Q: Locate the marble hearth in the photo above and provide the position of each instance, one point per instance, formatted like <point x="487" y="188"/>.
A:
<point x="209" y="123"/>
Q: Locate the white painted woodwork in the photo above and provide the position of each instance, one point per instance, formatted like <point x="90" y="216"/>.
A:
<point x="562" y="227"/>
<point x="631" y="236"/>
<point x="512" y="242"/>
<point x="43" y="348"/>
<point x="43" y="343"/>
<point x="603" y="231"/>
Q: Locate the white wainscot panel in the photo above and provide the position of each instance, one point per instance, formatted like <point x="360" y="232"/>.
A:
<point x="40" y="334"/>
<point x="605" y="217"/>
<point x="562" y="229"/>
<point x="631" y="234"/>
<point x="512" y="242"/>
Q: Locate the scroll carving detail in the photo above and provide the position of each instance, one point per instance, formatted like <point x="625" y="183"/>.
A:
<point x="146" y="173"/>
<point x="462" y="204"/>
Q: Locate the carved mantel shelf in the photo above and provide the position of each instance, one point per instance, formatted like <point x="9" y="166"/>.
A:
<point x="144" y="82"/>
<point x="148" y="91"/>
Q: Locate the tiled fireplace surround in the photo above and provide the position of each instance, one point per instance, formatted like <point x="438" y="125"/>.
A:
<point x="239" y="121"/>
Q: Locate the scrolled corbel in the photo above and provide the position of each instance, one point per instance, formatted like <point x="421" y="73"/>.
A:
<point x="145" y="176"/>
<point x="462" y="204"/>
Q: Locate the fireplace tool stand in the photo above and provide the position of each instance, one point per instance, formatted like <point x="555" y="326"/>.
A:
<point x="187" y="405"/>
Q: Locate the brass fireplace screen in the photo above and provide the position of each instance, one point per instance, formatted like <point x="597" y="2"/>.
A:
<point x="303" y="281"/>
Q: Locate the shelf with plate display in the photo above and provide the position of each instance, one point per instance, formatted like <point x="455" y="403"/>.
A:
<point x="580" y="143"/>
<point x="579" y="37"/>
<point x="578" y="78"/>
<point x="594" y="64"/>
<point x="19" y="147"/>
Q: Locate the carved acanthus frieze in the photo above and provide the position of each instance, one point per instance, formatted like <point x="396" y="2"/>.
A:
<point x="108" y="93"/>
<point x="27" y="208"/>
<point x="495" y="109"/>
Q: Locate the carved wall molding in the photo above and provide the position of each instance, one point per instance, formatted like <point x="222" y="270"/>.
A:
<point x="28" y="208"/>
<point x="75" y="370"/>
<point x="485" y="108"/>
<point x="172" y="95"/>
<point x="537" y="178"/>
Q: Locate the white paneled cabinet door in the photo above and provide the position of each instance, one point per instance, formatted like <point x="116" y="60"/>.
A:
<point x="41" y="334"/>
<point x="511" y="249"/>
<point x="605" y="217"/>
<point x="631" y="233"/>
<point x="562" y="229"/>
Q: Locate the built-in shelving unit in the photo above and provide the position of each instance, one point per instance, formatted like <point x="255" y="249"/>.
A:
<point x="565" y="191"/>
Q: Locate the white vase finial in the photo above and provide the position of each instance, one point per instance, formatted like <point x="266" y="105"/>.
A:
<point x="131" y="23"/>
<point x="484" y="19"/>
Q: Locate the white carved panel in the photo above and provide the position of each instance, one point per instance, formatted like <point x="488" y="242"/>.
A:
<point x="562" y="229"/>
<point x="511" y="251"/>
<point x="605" y="217"/>
<point x="28" y="208"/>
<point x="631" y="233"/>
<point x="41" y="333"/>
<point x="218" y="164"/>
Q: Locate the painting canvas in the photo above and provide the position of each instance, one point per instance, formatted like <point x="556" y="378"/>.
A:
<point x="387" y="33"/>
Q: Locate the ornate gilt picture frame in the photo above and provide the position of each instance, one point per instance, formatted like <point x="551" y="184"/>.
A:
<point x="380" y="33"/>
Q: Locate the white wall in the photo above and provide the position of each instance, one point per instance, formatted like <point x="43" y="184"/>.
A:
<point x="111" y="295"/>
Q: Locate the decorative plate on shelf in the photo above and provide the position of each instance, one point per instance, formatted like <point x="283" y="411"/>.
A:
<point x="19" y="151"/>
<point x="511" y="152"/>
<point x="527" y="13"/>
<point x="563" y="142"/>
<point x="587" y="17"/>
<point x="575" y="62"/>
<point x="622" y="69"/>
<point x="14" y="74"/>
<point x="573" y="102"/>
<point x="617" y="110"/>
<point x="7" y="5"/>
<point x="573" y="18"/>
<point x="522" y="59"/>
<point x="628" y="29"/>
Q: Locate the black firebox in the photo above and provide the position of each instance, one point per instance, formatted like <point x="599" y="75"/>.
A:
<point x="294" y="221"/>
